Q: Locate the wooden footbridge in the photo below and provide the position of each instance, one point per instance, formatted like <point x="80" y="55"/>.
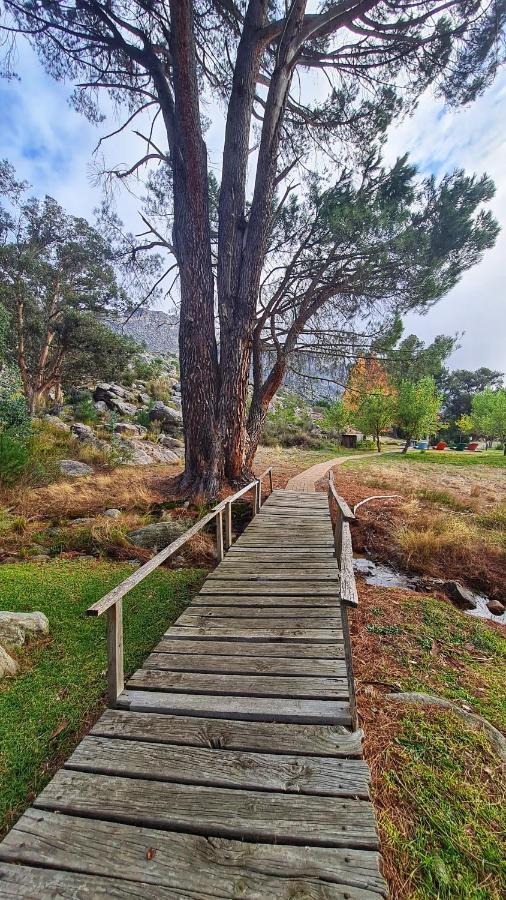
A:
<point x="230" y="765"/>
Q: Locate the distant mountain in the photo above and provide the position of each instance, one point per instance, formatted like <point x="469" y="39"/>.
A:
<point x="155" y="329"/>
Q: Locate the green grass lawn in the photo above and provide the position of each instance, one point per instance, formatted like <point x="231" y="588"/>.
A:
<point x="446" y="457"/>
<point x="61" y="685"/>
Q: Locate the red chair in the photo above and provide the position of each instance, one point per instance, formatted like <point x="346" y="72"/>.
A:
<point x="441" y="445"/>
<point x="472" y="446"/>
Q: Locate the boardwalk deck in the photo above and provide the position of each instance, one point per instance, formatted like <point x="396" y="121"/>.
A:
<point x="230" y="767"/>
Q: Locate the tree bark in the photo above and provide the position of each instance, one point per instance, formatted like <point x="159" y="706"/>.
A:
<point x="244" y="256"/>
<point x="406" y="445"/>
<point x="192" y="246"/>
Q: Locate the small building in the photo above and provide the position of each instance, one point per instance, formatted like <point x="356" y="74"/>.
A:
<point x="350" y="438"/>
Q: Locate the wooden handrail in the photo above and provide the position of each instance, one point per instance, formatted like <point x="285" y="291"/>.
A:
<point x="343" y="545"/>
<point x="112" y="602"/>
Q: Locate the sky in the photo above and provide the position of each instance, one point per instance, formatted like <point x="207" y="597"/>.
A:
<point x="51" y="146"/>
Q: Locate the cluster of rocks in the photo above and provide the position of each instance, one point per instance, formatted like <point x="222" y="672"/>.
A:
<point x="14" y="630"/>
<point x="129" y="440"/>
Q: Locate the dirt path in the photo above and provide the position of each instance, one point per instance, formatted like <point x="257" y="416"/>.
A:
<point x="309" y="478"/>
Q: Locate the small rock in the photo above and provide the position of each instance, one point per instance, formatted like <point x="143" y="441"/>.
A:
<point x="56" y="422"/>
<point x="8" y="665"/>
<point x="460" y="595"/>
<point x="35" y="622"/>
<point x="145" y="453"/>
<point x="112" y="513"/>
<point x="164" y="414"/>
<point x="157" y="535"/>
<point x="12" y="634"/>
<point x="82" y="520"/>
<point x="496" y="607"/>
<point x="40" y="557"/>
<point x="101" y="407"/>
<point x="129" y="428"/>
<point x="171" y="443"/>
<point x="143" y="398"/>
<point x="73" y="468"/>
<point x="122" y="407"/>
<point x="82" y="432"/>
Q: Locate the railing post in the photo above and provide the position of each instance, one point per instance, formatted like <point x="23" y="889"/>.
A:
<point x="270" y="480"/>
<point x="228" y="526"/>
<point x="219" y="535"/>
<point x="115" y="675"/>
<point x="259" y="494"/>
<point x="255" y="499"/>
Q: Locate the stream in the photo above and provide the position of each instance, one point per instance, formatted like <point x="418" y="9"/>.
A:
<point x="384" y="575"/>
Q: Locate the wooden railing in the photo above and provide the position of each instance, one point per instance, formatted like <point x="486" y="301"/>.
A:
<point x="112" y="603"/>
<point x="342" y="543"/>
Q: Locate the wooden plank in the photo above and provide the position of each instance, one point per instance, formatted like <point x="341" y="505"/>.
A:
<point x="249" y="709"/>
<point x="250" y="620"/>
<point x="115" y="673"/>
<point x="249" y="665"/>
<point x="27" y="883"/>
<point x="314" y="775"/>
<point x="217" y="611"/>
<point x="228" y="611"/>
<point x="182" y="861"/>
<point x="299" y="588"/>
<point x="291" y="574"/>
<point x="239" y="685"/>
<point x="334" y="650"/>
<point x="211" y="811"/>
<point x="240" y="633"/>
<point x="300" y="740"/>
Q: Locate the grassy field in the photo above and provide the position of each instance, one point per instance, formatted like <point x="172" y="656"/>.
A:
<point x="453" y="458"/>
<point x="45" y="709"/>
<point x="437" y="783"/>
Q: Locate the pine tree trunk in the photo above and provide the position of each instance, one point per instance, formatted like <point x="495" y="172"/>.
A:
<point x="406" y="445"/>
<point x="262" y="396"/>
<point x="192" y="247"/>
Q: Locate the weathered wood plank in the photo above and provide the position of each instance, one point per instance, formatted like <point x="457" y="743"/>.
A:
<point x="272" y="601"/>
<point x="217" y="611"/>
<point x="181" y="861"/>
<point x="314" y="776"/>
<point x="240" y="633"/>
<point x="292" y="650"/>
<point x="217" y="624"/>
<point x="243" y="573"/>
<point x="249" y="665"/>
<point x="298" y="588"/>
<point x="300" y="740"/>
<point x="239" y="685"/>
<point x="290" y="611"/>
<point x="249" y="709"/>
<point x="220" y="812"/>
<point x="29" y="883"/>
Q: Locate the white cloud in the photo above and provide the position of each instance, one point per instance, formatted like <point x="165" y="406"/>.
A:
<point x="440" y="140"/>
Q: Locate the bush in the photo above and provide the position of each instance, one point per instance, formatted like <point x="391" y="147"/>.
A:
<point x="160" y="388"/>
<point x="366" y="445"/>
<point x="15" y="454"/>
<point x="85" y="411"/>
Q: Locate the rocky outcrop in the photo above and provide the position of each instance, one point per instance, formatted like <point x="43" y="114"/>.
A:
<point x="171" y="443"/>
<point x="73" y="468"/>
<point x="130" y="429"/>
<point x="56" y="422"/>
<point x="461" y="596"/>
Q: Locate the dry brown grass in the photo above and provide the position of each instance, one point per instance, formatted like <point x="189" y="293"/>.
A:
<point x="126" y="488"/>
<point x="436" y="535"/>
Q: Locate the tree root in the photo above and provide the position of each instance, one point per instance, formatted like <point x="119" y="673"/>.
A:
<point x="495" y="737"/>
<point x="377" y="497"/>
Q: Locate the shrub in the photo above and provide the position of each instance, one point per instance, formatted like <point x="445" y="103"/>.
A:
<point x="85" y="411"/>
<point x="366" y="444"/>
<point x="160" y="388"/>
<point x="15" y="454"/>
<point x="142" y="417"/>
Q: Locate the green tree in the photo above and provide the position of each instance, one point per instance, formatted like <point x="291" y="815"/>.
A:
<point x="375" y="412"/>
<point x="418" y="408"/>
<point x="336" y="416"/>
<point x="458" y="388"/>
<point x="488" y="414"/>
<point x="57" y="278"/>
